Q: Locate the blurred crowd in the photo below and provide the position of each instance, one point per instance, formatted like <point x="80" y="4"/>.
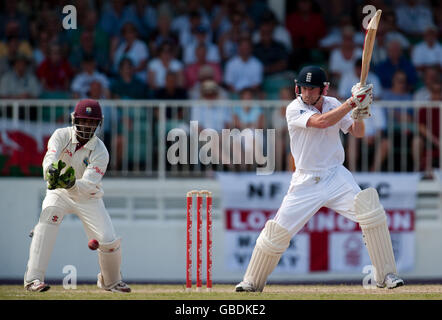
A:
<point x="227" y="49"/>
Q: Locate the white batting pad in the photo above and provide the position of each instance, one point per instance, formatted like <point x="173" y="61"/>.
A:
<point x="373" y="222"/>
<point x="42" y="244"/>
<point x="109" y="258"/>
<point x="270" y="245"/>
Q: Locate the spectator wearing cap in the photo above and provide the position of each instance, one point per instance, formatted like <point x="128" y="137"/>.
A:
<point x="396" y="61"/>
<point x="82" y="81"/>
<point x="243" y="70"/>
<point x="200" y="38"/>
<point x="413" y="17"/>
<point x="55" y="72"/>
<point x="133" y="48"/>
<point x="428" y="52"/>
<point x="158" y="68"/>
<point x="212" y="117"/>
<point x="191" y="71"/>
<point x="272" y="54"/>
<point x="127" y="85"/>
<point x="19" y="83"/>
<point x="280" y="33"/>
<point x="206" y="72"/>
<point x="343" y="58"/>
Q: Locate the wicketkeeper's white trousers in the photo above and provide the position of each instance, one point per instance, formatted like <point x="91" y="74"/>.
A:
<point x="56" y="205"/>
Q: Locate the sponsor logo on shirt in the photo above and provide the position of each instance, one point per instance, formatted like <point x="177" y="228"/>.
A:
<point x="98" y="170"/>
<point x="86" y="161"/>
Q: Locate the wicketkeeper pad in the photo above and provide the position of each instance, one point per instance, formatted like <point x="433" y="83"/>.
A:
<point x="43" y="241"/>
<point x="270" y="245"/>
<point x="109" y="258"/>
<point x="373" y="222"/>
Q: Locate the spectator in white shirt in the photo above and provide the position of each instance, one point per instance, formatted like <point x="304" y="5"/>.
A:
<point x="392" y="32"/>
<point x="428" y="52"/>
<point x="333" y="39"/>
<point x="201" y="36"/>
<point x="279" y="32"/>
<point x="431" y="75"/>
<point x="243" y="70"/>
<point x="413" y="17"/>
<point x="158" y="68"/>
<point x="134" y="49"/>
<point x="349" y="79"/>
<point x="343" y="58"/>
<point x="375" y="126"/>
<point x="82" y="82"/>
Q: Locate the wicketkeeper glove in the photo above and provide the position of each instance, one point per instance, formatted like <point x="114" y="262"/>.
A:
<point x="67" y="179"/>
<point x="360" y="101"/>
<point x="53" y="173"/>
<point x="57" y="180"/>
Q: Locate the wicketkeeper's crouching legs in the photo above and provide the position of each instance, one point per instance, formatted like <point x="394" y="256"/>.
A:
<point x="270" y="245"/>
<point x="373" y="222"/>
<point x="43" y="241"/>
<point x="109" y="258"/>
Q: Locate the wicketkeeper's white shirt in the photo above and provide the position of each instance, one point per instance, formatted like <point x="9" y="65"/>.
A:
<point x="89" y="162"/>
<point x="315" y="149"/>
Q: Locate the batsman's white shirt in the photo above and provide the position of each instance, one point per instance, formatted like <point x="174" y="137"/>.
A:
<point x="85" y="198"/>
<point x="320" y="179"/>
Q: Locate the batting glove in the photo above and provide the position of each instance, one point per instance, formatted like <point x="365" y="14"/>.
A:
<point x="360" y="101"/>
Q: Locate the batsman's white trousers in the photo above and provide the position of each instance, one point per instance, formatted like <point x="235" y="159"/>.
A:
<point x="310" y="190"/>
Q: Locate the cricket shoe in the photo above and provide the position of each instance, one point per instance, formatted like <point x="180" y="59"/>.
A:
<point x="245" y="286"/>
<point x="119" y="287"/>
<point x="37" y="286"/>
<point x="391" y="281"/>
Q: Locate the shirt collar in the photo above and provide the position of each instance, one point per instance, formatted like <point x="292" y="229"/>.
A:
<point x="89" y="145"/>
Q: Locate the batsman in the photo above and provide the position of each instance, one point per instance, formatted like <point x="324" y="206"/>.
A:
<point x="320" y="180"/>
<point x="74" y="165"/>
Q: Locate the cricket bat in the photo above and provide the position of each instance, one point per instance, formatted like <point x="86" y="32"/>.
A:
<point x="368" y="45"/>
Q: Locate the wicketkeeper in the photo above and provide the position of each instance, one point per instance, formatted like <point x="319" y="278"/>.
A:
<point x="73" y="167"/>
<point x="320" y="180"/>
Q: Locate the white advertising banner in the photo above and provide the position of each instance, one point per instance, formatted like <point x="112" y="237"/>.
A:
<point x="329" y="241"/>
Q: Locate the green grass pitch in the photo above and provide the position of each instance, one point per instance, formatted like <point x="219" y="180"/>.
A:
<point x="226" y="292"/>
